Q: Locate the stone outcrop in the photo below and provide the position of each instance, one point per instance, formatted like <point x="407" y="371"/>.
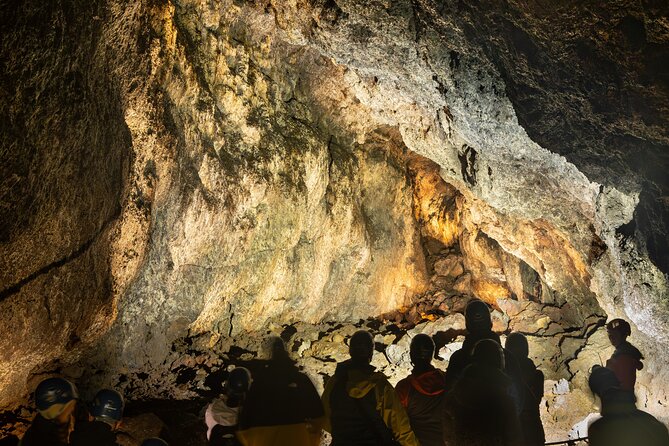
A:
<point x="182" y="177"/>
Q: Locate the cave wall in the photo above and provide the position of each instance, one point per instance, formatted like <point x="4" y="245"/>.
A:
<point x="194" y="170"/>
<point x="63" y="180"/>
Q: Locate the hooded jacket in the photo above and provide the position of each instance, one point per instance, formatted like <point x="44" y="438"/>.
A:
<point x="362" y="409"/>
<point x="281" y="408"/>
<point x="422" y="395"/>
<point x="624" y="362"/>
<point x="479" y="411"/>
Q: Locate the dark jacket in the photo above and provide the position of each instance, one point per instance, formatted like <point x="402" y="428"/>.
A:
<point x="622" y="424"/>
<point x="479" y="411"/>
<point x="282" y="407"/>
<point x="462" y="358"/>
<point x="624" y="362"/>
<point x="422" y="395"/>
<point x="532" y="389"/>
<point x="362" y="409"/>
<point x="43" y="432"/>
<point x="93" y="433"/>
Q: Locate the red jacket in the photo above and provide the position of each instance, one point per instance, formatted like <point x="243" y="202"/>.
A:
<point x="422" y="395"/>
<point x="624" y="362"/>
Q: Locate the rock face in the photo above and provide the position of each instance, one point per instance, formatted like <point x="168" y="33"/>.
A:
<point x="182" y="177"/>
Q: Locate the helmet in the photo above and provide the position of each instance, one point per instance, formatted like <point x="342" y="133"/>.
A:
<point x="239" y="380"/>
<point x="422" y="349"/>
<point x="516" y="343"/>
<point x="237" y="385"/>
<point x="619" y="325"/>
<point x="108" y="406"/>
<point x="361" y="346"/>
<point x="602" y="380"/>
<point x="51" y="396"/>
<point x="154" y="442"/>
<point x="489" y="353"/>
<point x="477" y="316"/>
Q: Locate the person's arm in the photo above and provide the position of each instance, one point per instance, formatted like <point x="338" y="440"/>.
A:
<point x="327" y="425"/>
<point x="402" y="389"/>
<point x="448" y="425"/>
<point x="395" y="416"/>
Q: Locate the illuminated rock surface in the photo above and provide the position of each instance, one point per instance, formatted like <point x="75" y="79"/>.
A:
<point x="182" y="177"/>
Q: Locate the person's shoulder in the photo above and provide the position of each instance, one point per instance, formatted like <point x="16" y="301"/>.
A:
<point x="457" y="359"/>
<point x="404" y="382"/>
<point x="648" y="418"/>
<point x="625" y="348"/>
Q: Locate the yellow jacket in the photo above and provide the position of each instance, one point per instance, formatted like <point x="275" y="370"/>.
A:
<point x="359" y="382"/>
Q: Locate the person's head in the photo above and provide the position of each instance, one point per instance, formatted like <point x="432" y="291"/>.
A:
<point x="489" y="354"/>
<point x="421" y="350"/>
<point x="154" y="442"/>
<point x="602" y="380"/>
<point x="276" y="350"/>
<point x="618" y="330"/>
<point x="477" y="316"/>
<point x="237" y="385"/>
<point x="108" y="407"/>
<point x="361" y="347"/>
<point x="516" y="343"/>
<point x="56" y="399"/>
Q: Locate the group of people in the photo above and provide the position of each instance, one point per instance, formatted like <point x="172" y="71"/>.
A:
<point x="64" y="419"/>
<point x="489" y="395"/>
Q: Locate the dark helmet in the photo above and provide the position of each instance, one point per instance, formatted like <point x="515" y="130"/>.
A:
<point x="488" y="353"/>
<point x="620" y="325"/>
<point x="422" y="349"/>
<point x="108" y="406"/>
<point x="52" y="392"/>
<point x="361" y="346"/>
<point x="477" y="316"/>
<point x="602" y="380"/>
<point x="237" y="385"/>
<point x="239" y="380"/>
<point x="154" y="442"/>
<point x="516" y="343"/>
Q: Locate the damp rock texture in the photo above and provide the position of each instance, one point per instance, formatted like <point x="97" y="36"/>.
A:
<point x="181" y="178"/>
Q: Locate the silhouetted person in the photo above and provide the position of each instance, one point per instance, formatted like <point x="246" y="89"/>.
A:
<point x="532" y="389"/>
<point x="222" y="415"/>
<point x="479" y="411"/>
<point x="622" y="424"/>
<point x="626" y="359"/>
<point x="56" y="401"/>
<point x="362" y="408"/>
<point x="107" y="411"/>
<point x="282" y="406"/>
<point x="422" y="393"/>
<point x="479" y="326"/>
